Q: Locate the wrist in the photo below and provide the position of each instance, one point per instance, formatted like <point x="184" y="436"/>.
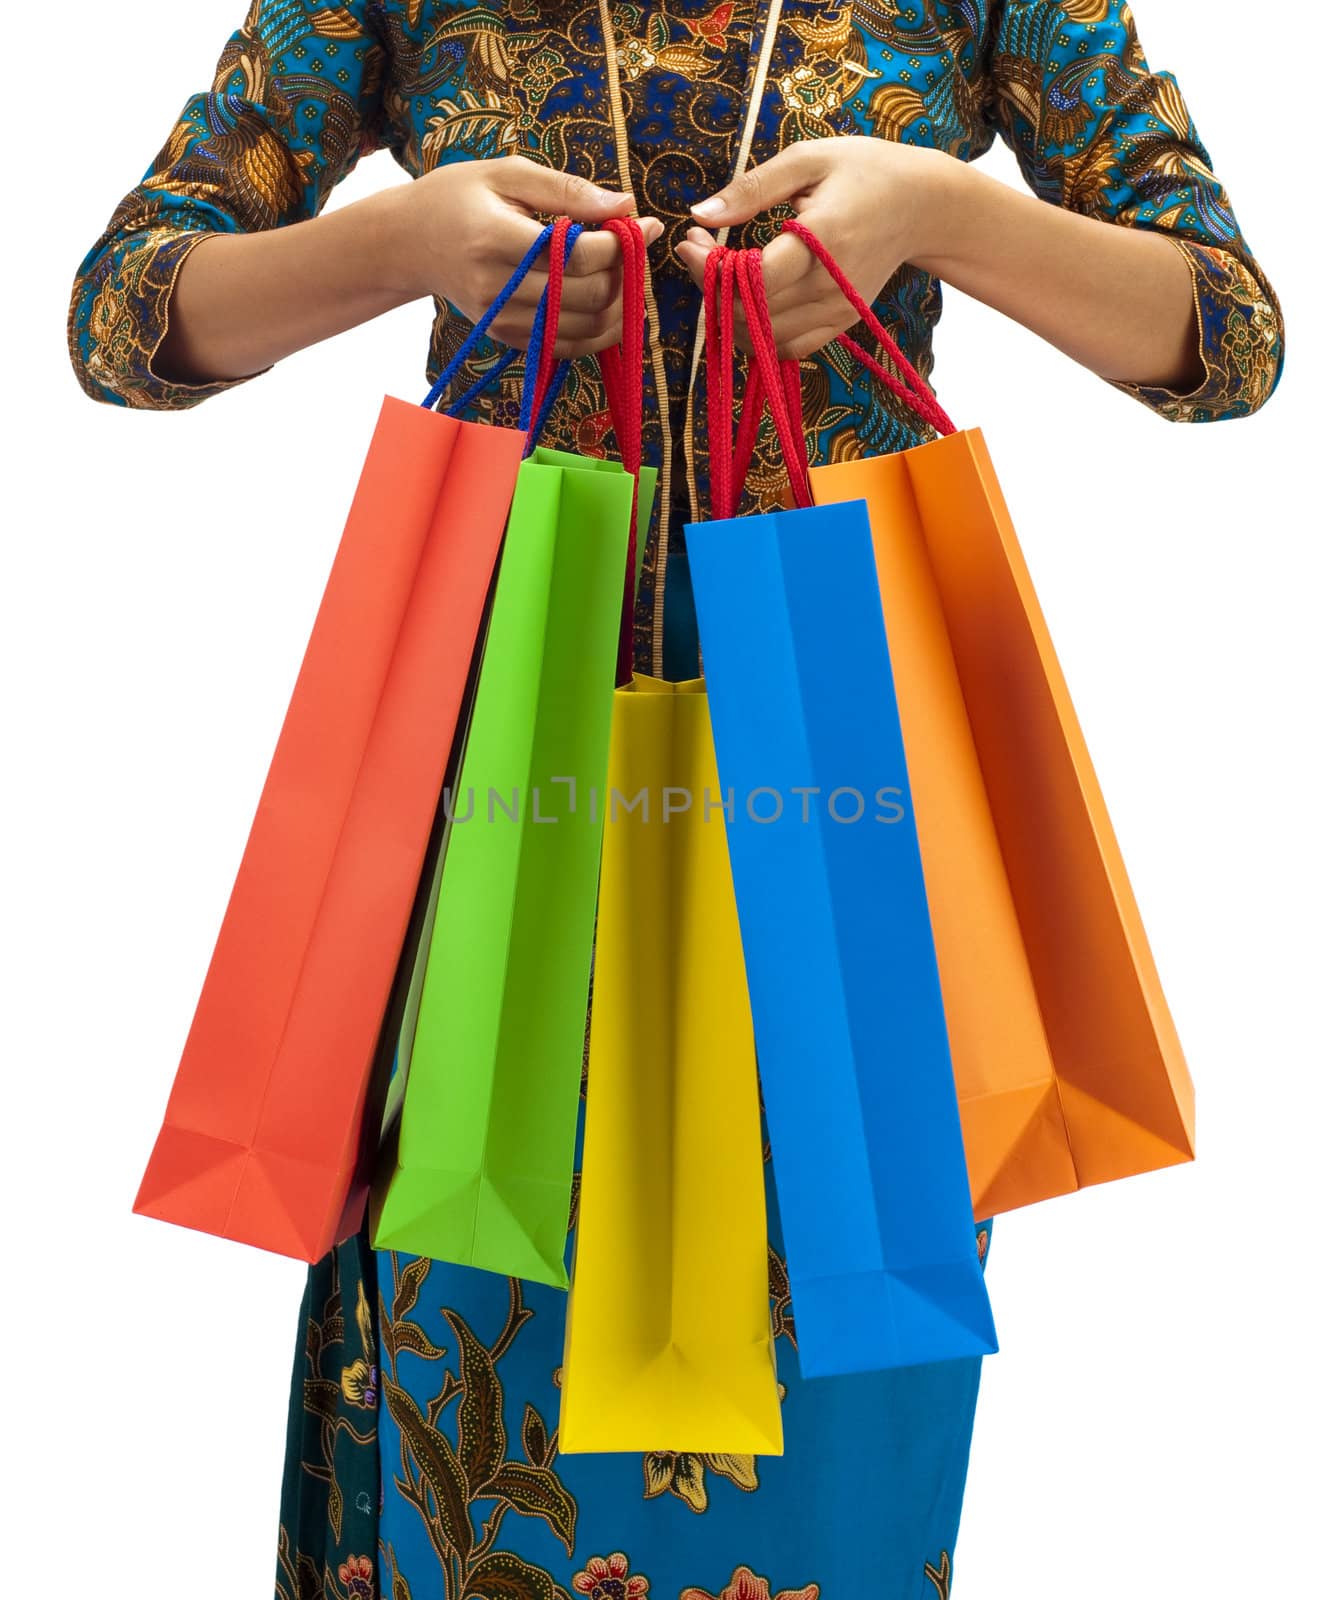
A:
<point x="949" y="219"/>
<point x="396" y="241"/>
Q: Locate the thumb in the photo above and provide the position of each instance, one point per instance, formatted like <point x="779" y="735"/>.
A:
<point x="761" y="187"/>
<point x="561" y="194"/>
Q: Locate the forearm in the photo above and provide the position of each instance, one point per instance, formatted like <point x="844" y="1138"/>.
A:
<point x="1117" y="299"/>
<point x="243" y="301"/>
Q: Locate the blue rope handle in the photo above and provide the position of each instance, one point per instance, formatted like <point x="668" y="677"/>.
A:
<point x="540" y="416"/>
<point x="481" y="327"/>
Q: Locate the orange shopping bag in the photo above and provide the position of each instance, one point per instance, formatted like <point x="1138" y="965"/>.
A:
<point x="1067" y="1063"/>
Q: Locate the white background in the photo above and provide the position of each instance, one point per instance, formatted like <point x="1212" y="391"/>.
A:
<point x="1160" y="1422"/>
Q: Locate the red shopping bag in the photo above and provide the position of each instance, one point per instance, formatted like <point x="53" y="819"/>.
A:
<point x="263" y="1138"/>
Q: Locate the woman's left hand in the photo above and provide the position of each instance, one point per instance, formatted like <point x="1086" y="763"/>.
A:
<point x="874" y="203"/>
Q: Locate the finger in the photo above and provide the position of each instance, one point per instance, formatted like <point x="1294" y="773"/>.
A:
<point x="598" y="251"/>
<point x="792" y="306"/>
<point x="512" y="329"/>
<point x="512" y="237"/>
<point x="573" y="327"/>
<point x="594" y="252"/>
<point x="694" y="257"/>
<point x="526" y="297"/>
<point x="585" y="335"/>
<point x="562" y="194"/>
<point x="594" y="293"/>
<point x="800" y="334"/>
<point x="771" y="183"/>
<point x="787" y="262"/>
<point x="507" y="237"/>
<point x="790" y="333"/>
<point x="814" y="299"/>
<point x="590" y="324"/>
<point x="570" y="351"/>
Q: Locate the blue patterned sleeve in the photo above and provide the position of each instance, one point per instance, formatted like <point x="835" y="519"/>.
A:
<point x="1095" y="131"/>
<point x="295" y="102"/>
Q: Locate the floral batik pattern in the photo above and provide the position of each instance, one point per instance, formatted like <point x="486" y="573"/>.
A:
<point x="446" y="1411"/>
<point x="747" y="1585"/>
<point x="301" y="91"/>
<point x="332" y="1487"/>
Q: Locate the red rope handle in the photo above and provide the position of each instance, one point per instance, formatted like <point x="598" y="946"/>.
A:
<point x="717" y="432"/>
<point x="771" y="381"/>
<point x="915" y="392"/>
<point x="749" y="422"/>
<point x="780" y="388"/>
<point x="552" y="311"/>
<point x="621" y="368"/>
<point x="719" y="296"/>
<point x="752" y="416"/>
<point x="735" y="457"/>
<point x="790" y="380"/>
<point x="621" y="365"/>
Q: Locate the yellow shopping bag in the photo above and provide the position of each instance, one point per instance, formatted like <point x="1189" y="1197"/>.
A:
<point x="672" y="1217"/>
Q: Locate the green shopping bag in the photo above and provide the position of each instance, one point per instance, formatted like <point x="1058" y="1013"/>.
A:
<point x="482" y="1170"/>
<point x="479" y="1171"/>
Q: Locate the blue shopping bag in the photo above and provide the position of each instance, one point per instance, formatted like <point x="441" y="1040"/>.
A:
<point x="876" y="1211"/>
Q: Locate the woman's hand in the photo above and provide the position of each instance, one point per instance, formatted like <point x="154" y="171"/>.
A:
<point x="466" y="225"/>
<point x="874" y="203"/>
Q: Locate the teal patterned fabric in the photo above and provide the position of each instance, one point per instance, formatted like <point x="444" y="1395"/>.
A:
<point x="303" y="90"/>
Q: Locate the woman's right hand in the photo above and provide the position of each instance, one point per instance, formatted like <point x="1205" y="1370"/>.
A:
<point x="467" y="224"/>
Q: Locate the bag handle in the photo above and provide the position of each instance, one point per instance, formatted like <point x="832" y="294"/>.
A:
<point x="776" y="382"/>
<point x="780" y="379"/>
<point x="621" y="367"/>
<point x="621" y="364"/>
<point x="770" y="380"/>
<point x="913" y="390"/>
<point x="544" y="373"/>
<point x="718" y="295"/>
<point x="542" y="337"/>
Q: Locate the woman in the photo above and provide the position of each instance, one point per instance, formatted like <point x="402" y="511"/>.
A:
<point x="863" y="117"/>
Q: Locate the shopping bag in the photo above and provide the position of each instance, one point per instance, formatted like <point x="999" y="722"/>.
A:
<point x="672" y="1206"/>
<point x="265" y="1130"/>
<point x="1068" y="1066"/>
<point x="479" y="1171"/>
<point x="876" y="1213"/>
